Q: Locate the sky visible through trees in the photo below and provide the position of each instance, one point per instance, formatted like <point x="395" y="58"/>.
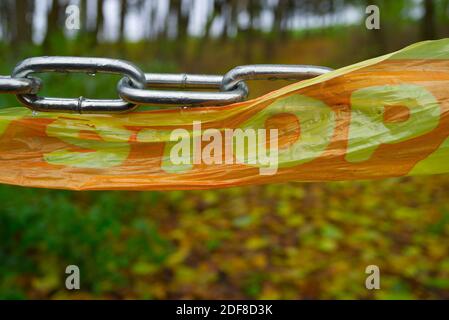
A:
<point x="135" y="20"/>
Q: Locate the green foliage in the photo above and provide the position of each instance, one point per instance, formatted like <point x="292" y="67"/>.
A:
<point x="41" y="232"/>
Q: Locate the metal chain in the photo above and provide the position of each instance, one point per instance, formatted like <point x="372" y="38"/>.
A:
<point x="136" y="87"/>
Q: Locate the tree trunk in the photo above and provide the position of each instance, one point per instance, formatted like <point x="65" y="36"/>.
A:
<point x="99" y="21"/>
<point x="5" y="8"/>
<point x="52" y="22"/>
<point x="123" y="12"/>
<point x="24" y="11"/>
<point x="428" y="22"/>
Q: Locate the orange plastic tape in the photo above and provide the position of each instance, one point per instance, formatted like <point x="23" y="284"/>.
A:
<point x="385" y="117"/>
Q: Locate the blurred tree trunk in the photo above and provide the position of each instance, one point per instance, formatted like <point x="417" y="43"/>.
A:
<point x="99" y="21"/>
<point x="226" y="11"/>
<point x="5" y="17"/>
<point x="277" y="23"/>
<point x="152" y="30"/>
<point x="428" y="22"/>
<point x="254" y="9"/>
<point x="183" y="20"/>
<point x="278" y="31"/>
<point x="216" y="11"/>
<point x="90" y="29"/>
<point x="444" y="16"/>
<point x="181" y="17"/>
<point x="52" y="22"/>
<point x="123" y="13"/>
<point x="84" y="16"/>
<point x="23" y="20"/>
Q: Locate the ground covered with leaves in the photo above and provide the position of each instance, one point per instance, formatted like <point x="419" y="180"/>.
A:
<point x="295" y="240"/>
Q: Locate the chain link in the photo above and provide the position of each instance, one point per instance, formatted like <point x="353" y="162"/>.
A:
<point x="19" y="85"/>
<point x="270" y="72"/>
<point x="78" y="64"/>
<point x="138" y="88"/>
<point x="186" y="98"/>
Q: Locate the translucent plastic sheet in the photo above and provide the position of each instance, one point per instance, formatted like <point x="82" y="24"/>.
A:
<point x="384" y="117"/>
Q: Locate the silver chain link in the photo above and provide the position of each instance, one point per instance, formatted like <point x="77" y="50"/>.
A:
<point x="138" y="88"/>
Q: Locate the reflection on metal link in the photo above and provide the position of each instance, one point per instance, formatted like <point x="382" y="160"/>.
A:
<point x="139" y="88"/>
<point x="270" y="72"/>
<point x="183" y="80"/>
<point x="78" y="64"/>
<point x="186" y="98"/>
<point x="19" y="85"/>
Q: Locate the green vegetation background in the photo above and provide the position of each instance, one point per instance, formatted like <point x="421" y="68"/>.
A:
<point x="292" y="240"/>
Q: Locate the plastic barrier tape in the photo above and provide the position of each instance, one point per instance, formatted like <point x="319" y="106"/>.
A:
<point x="385" y="117"/>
